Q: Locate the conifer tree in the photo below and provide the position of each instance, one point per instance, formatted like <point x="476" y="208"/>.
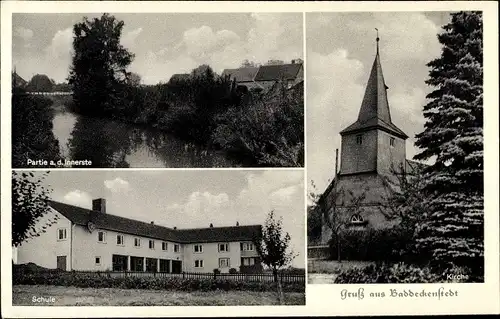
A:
<point x="452" y="231"/>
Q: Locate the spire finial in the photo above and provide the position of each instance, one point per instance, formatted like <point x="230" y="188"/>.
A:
<point x="378" y="39"/>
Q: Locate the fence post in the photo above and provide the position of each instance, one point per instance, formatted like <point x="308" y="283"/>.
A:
<point x="183" y="276"/>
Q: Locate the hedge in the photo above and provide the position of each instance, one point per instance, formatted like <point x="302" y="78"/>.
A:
<point x="374" y="245"/>
<point x="402" y="273"/>
<point x="154" y="283"/>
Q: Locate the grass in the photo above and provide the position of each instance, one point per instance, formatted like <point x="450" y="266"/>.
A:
<point x="332" y="266"/>
<point x="22" y="295"/>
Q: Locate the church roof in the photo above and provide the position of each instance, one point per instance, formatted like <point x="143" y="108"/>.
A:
<point x="374" y="111"/>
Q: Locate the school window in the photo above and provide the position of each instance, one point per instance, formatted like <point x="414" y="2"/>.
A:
<point x="223" y="248"/>
<point x="198" y="264"/>
<point x="198" y="248"/>
<point x="391" y="141"/>
<point x="359" y="139"/>
<point x="176" y="248"/>
<point x="101" y="237"/>
<point x="61" y="234"/>
<point x="119" y="240"/>
<point x="248" y="261"/>
<point x="151" y="244"/>
<point x="137" y="242"/>
<point x="98" y="261"/>
<point x="164" y="246"/>
<point x="224" y="263"/>
<point x="247" y="246"/>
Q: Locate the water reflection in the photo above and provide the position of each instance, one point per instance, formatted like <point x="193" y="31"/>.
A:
<point x="110" y="143"/>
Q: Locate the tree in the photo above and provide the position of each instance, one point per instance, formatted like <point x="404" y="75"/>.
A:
<point x="29" y="205"/>
<point x="273" y="247"/>
<point x="133" y="79"/>
<point x="337" y="209"/>
<point x="275" y="62"/>
<point x="98" y="72"/>
<point x="32" y="136"/>
<point x="405" y="203"/>
<point x="40" y="83"/>
<point x="248" y="64"/>
<point x="453" y="229"/>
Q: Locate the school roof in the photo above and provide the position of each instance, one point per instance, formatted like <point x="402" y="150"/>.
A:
<point x="82" y="216"/>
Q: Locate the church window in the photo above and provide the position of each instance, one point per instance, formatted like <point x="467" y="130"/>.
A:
<point x="391" y="141"/>
<point x="357" y="219"/>
<point x="359" y="139"/>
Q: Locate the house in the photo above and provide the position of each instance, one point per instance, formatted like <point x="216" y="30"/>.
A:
<point x="243" y="77"/>
<point x="178" y="77"/>
<point x="18" y="81"/>
<point x="269" y="75"/>
<point x="266" y="77"/>
<point x="93" y="240"/>
<point x="373" y="152"/>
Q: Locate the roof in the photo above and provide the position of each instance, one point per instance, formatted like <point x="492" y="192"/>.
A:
<point x="241" y="74"/>
<point x="179" y="77"/>
<point x="373" y="123"/>
<point x="374" y="111"/>
<point x="18" y="79"/>
<point x="278" y="72"/>
<point x="251" y="85"/>
<point x="82" y="216"/>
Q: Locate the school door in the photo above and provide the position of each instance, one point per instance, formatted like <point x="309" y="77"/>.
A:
<point x="61" y="262"/>
<point x="176" y="266"/>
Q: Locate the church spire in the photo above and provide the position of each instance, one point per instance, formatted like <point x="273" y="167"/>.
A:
<point x="374" y="111"/>
<point x="375" y="103"/>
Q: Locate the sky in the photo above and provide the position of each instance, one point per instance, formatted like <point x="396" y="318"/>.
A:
<point x="191" y="198"/>
<point x="341" y="48"/>
<point x="163" y="44"/>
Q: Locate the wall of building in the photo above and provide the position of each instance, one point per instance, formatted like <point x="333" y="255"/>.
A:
<point x="86" y="247"/>
<point x="390" y="157"/>
<point x="372" y="188"/>
<point x="211" y="255"/>
<point x="357" y="158"/>
<point x="44" y="249"/>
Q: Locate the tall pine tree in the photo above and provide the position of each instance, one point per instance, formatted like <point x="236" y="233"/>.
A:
<point x="452" y="232"/>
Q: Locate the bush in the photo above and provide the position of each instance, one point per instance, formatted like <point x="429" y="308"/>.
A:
<point x="105" y="280"/>
<point x="401" y="273"/>
<point x="233" y="271"/>
<point x="267" y="132"/>
<point x="32" y="136"/>
<point x="389" y="245"/>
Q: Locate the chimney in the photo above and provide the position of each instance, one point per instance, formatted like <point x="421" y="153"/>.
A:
<point x="211" y="225"/>
<point x="152" y="222"/>
<point x="99" y="205"/>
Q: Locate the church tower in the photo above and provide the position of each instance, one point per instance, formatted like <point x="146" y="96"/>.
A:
<point x="373" y="144"/>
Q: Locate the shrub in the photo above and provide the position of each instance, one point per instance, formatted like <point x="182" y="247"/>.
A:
<point x="105" y="280"/>
<point x="32" y="136"/>
<point x="401" y="273"/>
<point x="391" y="244"/>
<point x="233" y="271"/>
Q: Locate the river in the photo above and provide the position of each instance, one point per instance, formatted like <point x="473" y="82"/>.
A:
<point x="109" y="143"/>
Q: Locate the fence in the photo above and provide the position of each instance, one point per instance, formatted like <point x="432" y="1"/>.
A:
<point x="260" y="277"/>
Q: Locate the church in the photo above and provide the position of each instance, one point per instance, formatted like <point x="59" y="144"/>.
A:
<point x="373" y="153"/>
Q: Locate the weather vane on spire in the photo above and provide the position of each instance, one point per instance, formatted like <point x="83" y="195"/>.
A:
<point x="378" y="39"/>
